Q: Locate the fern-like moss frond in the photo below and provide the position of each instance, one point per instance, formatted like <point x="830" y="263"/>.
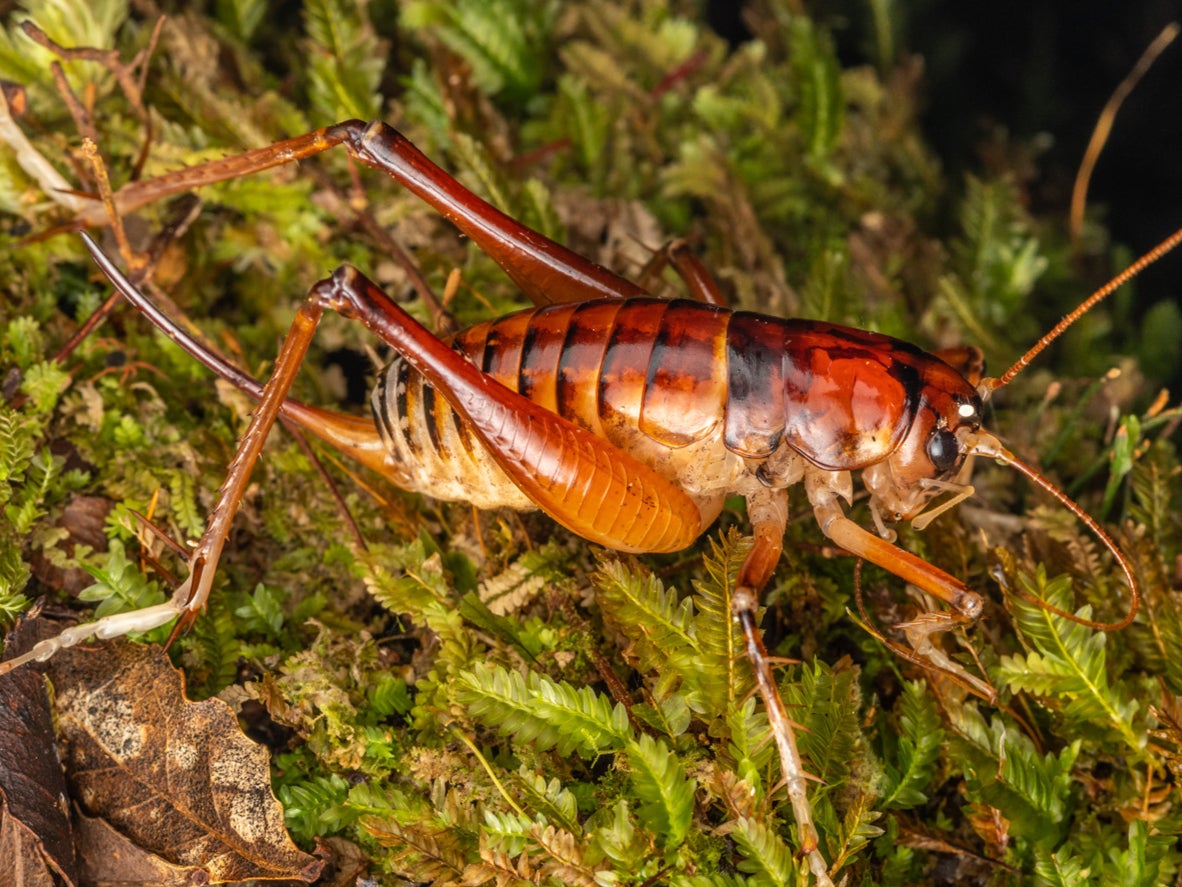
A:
<point x="666" y="795"/>
<point x="533" y="709"/>
<point x="765" y="856"/>
<point x="1068" y="665"/>
<point x="920" y="739"/>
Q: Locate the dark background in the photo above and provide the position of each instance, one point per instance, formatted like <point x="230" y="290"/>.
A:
<point x="1042" y="68"/>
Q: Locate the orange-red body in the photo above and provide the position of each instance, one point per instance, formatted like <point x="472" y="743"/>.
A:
<point x="703" y="395"/>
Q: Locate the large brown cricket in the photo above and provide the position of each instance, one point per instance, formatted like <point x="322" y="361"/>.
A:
<point x="627" y="419"/>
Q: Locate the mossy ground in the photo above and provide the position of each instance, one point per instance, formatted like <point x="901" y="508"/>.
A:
<point x="484" y="698"/>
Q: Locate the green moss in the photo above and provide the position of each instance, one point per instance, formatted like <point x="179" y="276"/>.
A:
<point x="456" y="701"/>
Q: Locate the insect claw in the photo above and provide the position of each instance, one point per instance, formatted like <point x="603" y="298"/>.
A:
<point x="113" y="626"/>
<point x="189" y="598"/>
<point x="919" y="634"/>
<point x="182" y="626"/>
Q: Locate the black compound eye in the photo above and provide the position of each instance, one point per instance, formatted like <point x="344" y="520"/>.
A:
<point x="942" y="450"/>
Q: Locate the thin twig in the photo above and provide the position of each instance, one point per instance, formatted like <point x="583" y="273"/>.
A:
<point x="1079" y="192"/>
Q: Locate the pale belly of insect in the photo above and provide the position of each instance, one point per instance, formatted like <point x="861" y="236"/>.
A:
<point x="439" y="456"/>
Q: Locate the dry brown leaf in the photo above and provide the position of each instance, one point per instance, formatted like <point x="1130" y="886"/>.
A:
<point x="22" y="862"/>
<point x="83" y="521"/>
<point x="108" y="859"/>
<point x="349" y="862"/>
<point x="35" y="834"/>
<point x="176" y="778"/>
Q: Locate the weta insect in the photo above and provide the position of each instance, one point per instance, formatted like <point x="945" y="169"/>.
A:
<point x="625" y="418"/>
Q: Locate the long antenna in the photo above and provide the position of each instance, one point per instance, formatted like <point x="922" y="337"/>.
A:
<point x="981" y="444"/>
<point x="988" y="386"/>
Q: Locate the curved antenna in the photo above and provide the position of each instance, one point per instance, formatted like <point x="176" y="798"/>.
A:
<point x="988" y="386"/>
<point x="982" y="444"/>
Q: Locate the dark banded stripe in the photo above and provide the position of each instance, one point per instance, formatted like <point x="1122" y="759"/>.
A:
<point x="380" y="401"/>
<point x="755" y="385"/>
<point x="502" y="350"/>
<point x="409" y="402"/>
<point x="462" y="431"/>
<point x="429" y="418"/>
<point x="525" y="379"/>
<point x="541" y="350"/>
<point x="580" y="362"/>
<point x="626" y="359"/>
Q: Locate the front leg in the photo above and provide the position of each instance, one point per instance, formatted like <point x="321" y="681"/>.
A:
<point x="825" y="489"/>
<point x="768" y="512"/>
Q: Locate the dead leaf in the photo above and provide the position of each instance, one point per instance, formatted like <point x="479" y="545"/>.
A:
<point x="83" y="521"/>
<point x="24" y="863"/>
<point x="35" y="829"/>
<point x="349" y="862"/>
<point x="177" y="778"/>
<point x="108" y="859"/>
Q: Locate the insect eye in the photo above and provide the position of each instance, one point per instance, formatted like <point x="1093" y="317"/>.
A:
<point x="942" y="450"/>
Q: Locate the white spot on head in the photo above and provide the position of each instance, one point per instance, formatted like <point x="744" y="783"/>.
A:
<point x="966" y="410"/>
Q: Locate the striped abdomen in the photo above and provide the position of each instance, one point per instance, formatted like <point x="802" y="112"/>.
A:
<point x="693" y="390"/>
